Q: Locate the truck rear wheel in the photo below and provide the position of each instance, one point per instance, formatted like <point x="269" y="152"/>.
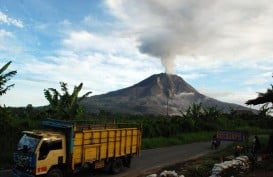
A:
<point x="55" y="173"/>
<point x="116" y="166"/>
<point x="127" y="161"/>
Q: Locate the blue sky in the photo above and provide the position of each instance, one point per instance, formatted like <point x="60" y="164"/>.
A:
<point x="222" y="48"/>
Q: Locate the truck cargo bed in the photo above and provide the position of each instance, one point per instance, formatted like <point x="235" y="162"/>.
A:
<point x="95" y="145"/>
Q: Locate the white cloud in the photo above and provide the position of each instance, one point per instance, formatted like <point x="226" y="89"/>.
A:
<point x="86" y="41"/>
<point x="88" y="20"/>
<point x="231" y="96"/>
<point x="259" y="79"/>
<point x="102" y="62"/>
<point x="116" y="7"/>
<point x="5" y="36"/>
<point x="25" y="92"/>
<point x="193" y="76"/>
<point x="198" y="63"/>
<point x="99" y="72"/>
<point x="4" y="33"/>
<point x="10" y="21"/>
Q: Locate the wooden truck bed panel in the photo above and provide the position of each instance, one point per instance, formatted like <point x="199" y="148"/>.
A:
<point x="94" y="145"/>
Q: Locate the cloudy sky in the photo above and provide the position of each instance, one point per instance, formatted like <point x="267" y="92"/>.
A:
<point x="222" y="48"/>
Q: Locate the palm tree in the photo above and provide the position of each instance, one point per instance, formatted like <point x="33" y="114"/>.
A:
<point x="65" y="105"/>
<point x="4" y="78"/>
<point x="263" y="98"/>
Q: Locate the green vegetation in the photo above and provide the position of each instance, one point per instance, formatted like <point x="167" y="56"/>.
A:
<point x="4" y="78"/>
<point x="7" y="123"/>
<point x="185" y="138"/>
<point x="157" y="131"/>
<point x="65" y="105"/>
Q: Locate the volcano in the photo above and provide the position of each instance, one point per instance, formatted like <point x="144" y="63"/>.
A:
<point x="159" y="94"/>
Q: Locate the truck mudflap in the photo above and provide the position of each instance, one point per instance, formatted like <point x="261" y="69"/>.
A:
<point x="17" y="173"/>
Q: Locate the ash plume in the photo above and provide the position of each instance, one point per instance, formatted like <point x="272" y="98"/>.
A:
<point x="218" y="30"/>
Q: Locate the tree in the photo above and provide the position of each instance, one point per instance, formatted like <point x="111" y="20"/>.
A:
<point x="211" y="113"/>
<point x="263" y="98"/>
<point x="194" y="111"/>
<point x="4" y="78"/>
<point x="65" y="105"/>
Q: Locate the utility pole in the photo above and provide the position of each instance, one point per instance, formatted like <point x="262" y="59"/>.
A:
<point x="167" y="106"/>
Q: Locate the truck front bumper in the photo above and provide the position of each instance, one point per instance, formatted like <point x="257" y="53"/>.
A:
<point x="17" y="173"/>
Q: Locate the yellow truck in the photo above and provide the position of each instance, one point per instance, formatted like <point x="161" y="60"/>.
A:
<point x="64" y="147"/>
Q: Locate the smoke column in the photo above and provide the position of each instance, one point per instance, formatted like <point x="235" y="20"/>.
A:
<point x="160" y="50"/>
<point x="214" y="29"/>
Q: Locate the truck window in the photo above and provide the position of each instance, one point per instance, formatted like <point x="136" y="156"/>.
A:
<point x="47" y="146"/>
<point x="55" y="145"/>
<point x="28" y="143"/>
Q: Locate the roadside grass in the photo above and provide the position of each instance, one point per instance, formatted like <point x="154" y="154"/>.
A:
<point x="255" y="130"/>
<point x="185" y="138"/>
<point x="191" y="137"/>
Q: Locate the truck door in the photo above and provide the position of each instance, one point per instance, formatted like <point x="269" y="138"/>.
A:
<point x="50" y="153"/>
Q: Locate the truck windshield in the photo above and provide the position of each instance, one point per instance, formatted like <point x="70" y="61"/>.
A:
<point x="28" y="143"/>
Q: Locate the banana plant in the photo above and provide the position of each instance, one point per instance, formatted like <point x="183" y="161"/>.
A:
<point x="4" y="78"/>
<point x="65" y="105"/>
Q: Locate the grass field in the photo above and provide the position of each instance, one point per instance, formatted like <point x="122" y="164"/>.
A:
<point x="185" y="138"/>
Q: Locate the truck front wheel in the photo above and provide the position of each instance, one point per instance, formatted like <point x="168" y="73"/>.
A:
<point x="55" y="173"/>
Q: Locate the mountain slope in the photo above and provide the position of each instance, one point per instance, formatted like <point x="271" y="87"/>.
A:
<point x="158" y="94"/>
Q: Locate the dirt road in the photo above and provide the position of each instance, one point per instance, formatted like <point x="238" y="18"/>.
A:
<point x="152" y="159"/>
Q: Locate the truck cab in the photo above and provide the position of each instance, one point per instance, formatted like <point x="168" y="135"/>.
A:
<point x="38" y="153"/>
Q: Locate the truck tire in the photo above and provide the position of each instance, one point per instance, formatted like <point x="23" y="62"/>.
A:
<point x="116" y="166"/>
<point x="55" y="172"/>
<point x="127" y="161"/>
